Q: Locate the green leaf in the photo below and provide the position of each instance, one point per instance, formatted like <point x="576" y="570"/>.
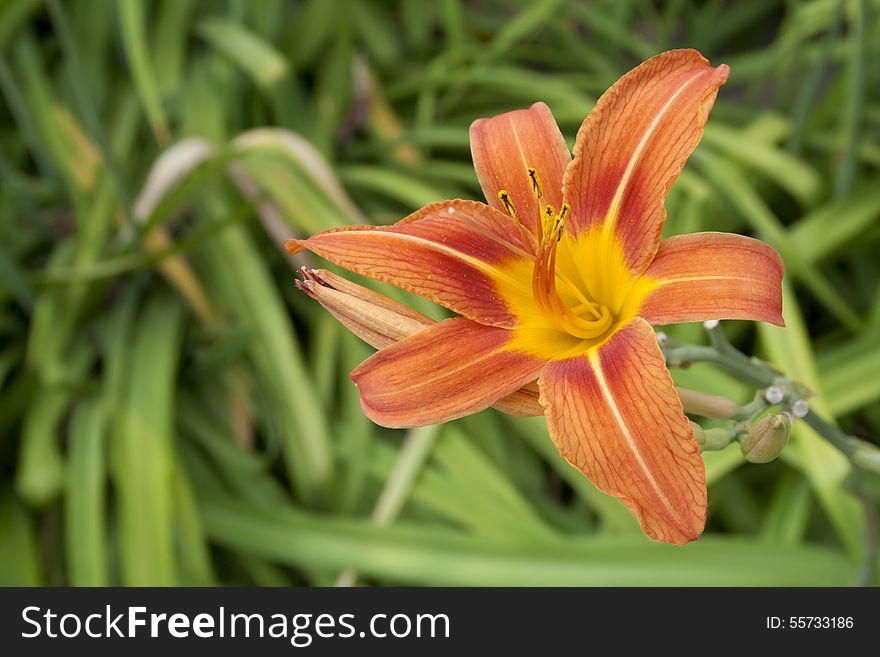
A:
<point x="848" y="373"/>
<point x="792" y="174"/>
<point x="251" y="292"/>
<point x="132" y="25"/>
<point x="143" y="450"/>
<point x="85" y="509"/>
<point x="265" y="65"/>
<point x="19" y="554"/>
<point x="831" y="226"/>
<point x="412" y="554"/>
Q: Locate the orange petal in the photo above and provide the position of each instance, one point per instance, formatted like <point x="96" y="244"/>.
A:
<point x="633" y="145"/>
<point x="456" y="253"/>
<point x="714" y="276"/>
<point x="504" y="147"/>
<point x="449" y="370"/>
<point x="613" y="414"/>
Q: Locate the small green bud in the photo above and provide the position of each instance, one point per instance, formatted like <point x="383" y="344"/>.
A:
<point x="800" y="408"/>
<point x="711" y="406"/>
<point x="766" y="439"/>
<point x="774" y="395"/>
<point x="711" y="440"/>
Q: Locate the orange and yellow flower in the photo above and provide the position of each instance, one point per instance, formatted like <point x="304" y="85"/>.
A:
<point x="559" y="279"/>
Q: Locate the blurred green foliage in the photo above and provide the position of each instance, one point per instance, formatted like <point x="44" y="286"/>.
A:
<point x="173" y="412"/>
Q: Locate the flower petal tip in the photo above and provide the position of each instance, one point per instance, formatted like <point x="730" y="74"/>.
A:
<point x="294" y="246"/>
<point x="614" y="415"/>
<point x="376" y="416"/>
<point x="633" y="145"/>
<point x="718" y="275"/>
<point x="680" y="535"/>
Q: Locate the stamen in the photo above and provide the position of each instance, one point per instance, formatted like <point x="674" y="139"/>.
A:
<point x="537" y="189"/>
<point x="563" y="215"/>
<point x="506" y="203"/>
<point x="554" y="310"/>
<point x="547" y="223"/>
<point x="589" y="320"/>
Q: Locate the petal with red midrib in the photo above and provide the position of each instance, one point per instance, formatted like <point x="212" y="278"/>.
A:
<point x="613" y="413"/>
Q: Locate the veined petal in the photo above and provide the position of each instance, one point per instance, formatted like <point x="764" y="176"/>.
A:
<point x="463" y="255"/>
<point x="449" y="370"/>
<point x="613" y="413"/>
<point x="633" y="145"/>
<point x="380" y="322"/>
<point x="504" y="147"/>
<point x="714" y="276"/>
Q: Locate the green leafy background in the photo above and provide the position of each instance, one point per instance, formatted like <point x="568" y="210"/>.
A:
<point x="173" y="411"/>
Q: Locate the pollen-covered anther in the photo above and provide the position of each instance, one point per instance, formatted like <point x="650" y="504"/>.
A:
<point x="548" y="224"/>
<point x="537" y="189"/>
<point x="506" y="203"/>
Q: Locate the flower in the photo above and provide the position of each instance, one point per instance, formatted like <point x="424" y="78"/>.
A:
<point x="559" y="279"/>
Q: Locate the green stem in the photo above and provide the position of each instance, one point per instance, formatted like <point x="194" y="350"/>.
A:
<point x="723" y="354"/>
<point x="726" y="356"/>
<point x="735" y="362"/>
<point x="410" y="462"/>
<point x="830" y="433"/>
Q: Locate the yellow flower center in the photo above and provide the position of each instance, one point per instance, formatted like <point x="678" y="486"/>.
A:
<point x="587" y="319"/>
<point x="581" y="288"/>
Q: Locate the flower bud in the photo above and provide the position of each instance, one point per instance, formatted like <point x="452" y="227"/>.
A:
<point x="767" y="438"/>
<point x="706" y="405"/>
<point x="711" y="440"/>
<point x="373" y="317"/>
<point x="380" y="321"/>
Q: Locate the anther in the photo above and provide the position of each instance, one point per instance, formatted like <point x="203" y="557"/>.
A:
<point x="563" y="215"/>
<point x="549" y="223"/>
<point x="504" y="197"/>
<point x="536" y="183"/>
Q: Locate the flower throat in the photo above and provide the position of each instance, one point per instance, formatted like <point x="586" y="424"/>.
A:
<point x="588" y="319"/>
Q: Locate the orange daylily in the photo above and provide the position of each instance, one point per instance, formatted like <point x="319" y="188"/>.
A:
<point x="559" y="279"/>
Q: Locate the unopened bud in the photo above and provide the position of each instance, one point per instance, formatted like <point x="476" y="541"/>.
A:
<point x="380" y="321"/>
<point x="706" y="405"/>
<point x="373" y="317"/>
<point x="711" y="440"/>
<point x="711" y="324"/>
<point x="767" y="438"/>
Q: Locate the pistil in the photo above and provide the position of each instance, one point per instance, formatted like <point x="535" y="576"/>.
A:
<point x="588" y="319"/>
<point x="552" y="307"/>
